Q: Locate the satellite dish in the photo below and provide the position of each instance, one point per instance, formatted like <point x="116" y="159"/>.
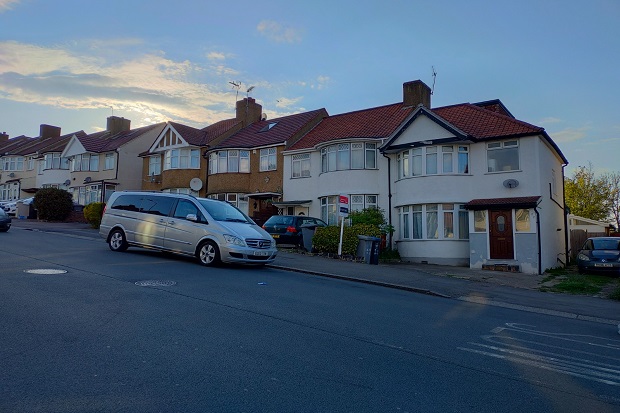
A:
<point x="67" y="182"/>
<point x="12" y="175"/>
<point x="195" y="184"/>
<point x="511" y="183"/>
<point x="87" y="179"/>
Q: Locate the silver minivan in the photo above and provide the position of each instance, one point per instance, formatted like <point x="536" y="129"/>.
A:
<point x="213" y="231"/>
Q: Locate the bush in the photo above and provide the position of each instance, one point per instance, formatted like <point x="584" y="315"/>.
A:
<point x="371" y="216"/>
<point x="326" y="239"/>
<point x="53" y="204"/>
<point x="93" y="213"/>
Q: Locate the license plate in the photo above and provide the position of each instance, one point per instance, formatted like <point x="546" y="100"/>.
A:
<point x="261" y="253"/>
<point x="276" y="236"/>
<point x="606" y="265"/>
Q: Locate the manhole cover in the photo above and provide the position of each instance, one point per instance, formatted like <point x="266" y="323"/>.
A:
<point x="155" y="283"/>
<point x="46" y="271"/>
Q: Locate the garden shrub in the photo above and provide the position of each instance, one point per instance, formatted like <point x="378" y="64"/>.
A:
<point x="93" y="213"/>
<point x="53" y="204"/>
<point x="326" y="239"/>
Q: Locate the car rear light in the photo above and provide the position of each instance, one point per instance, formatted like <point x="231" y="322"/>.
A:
<point x="291" y="229"/>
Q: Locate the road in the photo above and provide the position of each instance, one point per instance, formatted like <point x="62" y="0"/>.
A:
<point x="143" y="331"/>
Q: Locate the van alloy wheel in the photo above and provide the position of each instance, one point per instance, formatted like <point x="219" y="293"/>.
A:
<point x="117" y="241"/>
<point x="208" y="253"/>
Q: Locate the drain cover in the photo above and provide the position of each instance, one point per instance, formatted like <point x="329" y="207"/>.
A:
<point x="155" y="283"/>
<point x="46" y="271"/>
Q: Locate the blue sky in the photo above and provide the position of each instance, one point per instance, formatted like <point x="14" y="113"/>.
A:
<point x="555" y="64"/>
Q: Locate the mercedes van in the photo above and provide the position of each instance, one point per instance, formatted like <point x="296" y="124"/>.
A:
<point x="213" y="231"/>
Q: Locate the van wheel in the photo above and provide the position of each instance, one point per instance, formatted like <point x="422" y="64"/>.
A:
<point x="117" y="241"/>
<point x="208" y="253"/>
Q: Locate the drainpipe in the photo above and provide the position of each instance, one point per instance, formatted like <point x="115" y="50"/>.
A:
<point x="539" y="241"/>
<point x="389" y="198"/>
<point x="565" y="219"/>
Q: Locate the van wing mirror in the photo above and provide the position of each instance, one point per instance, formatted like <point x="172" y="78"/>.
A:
<point x="192" y="217"/>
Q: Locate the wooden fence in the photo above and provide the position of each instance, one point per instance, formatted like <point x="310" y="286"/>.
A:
<point x="577" y="238"/>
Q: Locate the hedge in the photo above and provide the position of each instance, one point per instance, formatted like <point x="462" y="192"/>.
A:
<point x="326" y="239"/>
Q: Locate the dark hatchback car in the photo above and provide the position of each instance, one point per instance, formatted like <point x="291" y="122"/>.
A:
<point x="286" y="229"/>
<point x="600" y="254"/>
<point x="5" y="221"/>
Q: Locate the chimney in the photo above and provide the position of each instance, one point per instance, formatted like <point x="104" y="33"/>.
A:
<point x="4" y="137"/>
<point x="116" y="125"/>
<point x="49" y="131"/>
<point x="248" y="111"/>
<point x="415" y="93"/>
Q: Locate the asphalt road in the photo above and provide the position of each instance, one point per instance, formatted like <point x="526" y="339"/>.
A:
<point x="147" y="332"/>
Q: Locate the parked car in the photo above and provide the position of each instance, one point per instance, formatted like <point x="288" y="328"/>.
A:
<point x="11" y="207"/>
<point x="286" y="229"/>
<point x="600" y="254"/>
<point x="212" y="231"/>
<point x="5" y="221"/>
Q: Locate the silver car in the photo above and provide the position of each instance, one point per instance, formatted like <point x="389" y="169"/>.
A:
<point x="213" y="231"/>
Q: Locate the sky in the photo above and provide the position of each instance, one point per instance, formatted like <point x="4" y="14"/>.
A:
<point x="554" y="64"/>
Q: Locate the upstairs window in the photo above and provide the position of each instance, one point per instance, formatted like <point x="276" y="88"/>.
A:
<point x="346" y="156"/>
<point x="155" y="165"/>
<point x="182" y="159"/>
<point x="301" y="165"/>
<point x="433" y="160"/>
<point x="110" y="161"/>
<point x="14" y="163"/>
<point x="230" y="161"/>
<point x="86" y="162"/>
<point x="54" y="161"/>
<point x="503" y="156"/>
<point x="268" y="160"/>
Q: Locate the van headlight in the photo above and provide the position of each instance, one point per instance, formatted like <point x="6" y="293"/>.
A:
<point x="231" y="239"/>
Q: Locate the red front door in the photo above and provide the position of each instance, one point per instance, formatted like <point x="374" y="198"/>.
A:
<point x="500" y="234"/>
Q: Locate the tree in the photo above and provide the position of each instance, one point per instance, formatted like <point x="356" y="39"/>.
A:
<point x="588" y="196"/>
<point x="614" y="183"/>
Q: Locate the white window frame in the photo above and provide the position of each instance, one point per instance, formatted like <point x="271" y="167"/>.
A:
<point x="155" y="164"/>
<point x="110" y="161"/>
<point x="433" y="160"/>
<point x="496" y="150"/>
<point x="343" y="156"/>
<point x="300" y="165"/>
<point x="220" y="162"/>
<point x="182" y="158"/>
<point x="268" y="159"/>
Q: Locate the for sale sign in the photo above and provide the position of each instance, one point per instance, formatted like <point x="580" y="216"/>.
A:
<point x="343" y="205"/>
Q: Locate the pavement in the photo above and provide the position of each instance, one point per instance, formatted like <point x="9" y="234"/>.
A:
<point x="491" y="288"/>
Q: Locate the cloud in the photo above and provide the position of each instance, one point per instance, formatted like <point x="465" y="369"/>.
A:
<point x="216" y="56"/>
<point x="321" y="82"/>
<point x="569" y="135"/>
<point x="550" y="120"/>
<point x="287" y="102"/>
<point x="157" y="87"/>
<point x="6" y="4"/>
<point x="278" y="33"/>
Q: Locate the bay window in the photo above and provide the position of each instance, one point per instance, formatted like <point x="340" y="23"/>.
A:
<point x="434" y="222"/>
<point x="433" y="160"/>
<point x="347" y="156"/>
<point x="182" y="159"/>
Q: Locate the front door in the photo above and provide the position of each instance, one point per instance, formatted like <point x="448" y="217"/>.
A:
<point x="500" y="234"/>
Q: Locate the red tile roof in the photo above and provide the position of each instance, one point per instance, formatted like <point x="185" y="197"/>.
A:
<point x="483" y="124"/>
<point x="284" y="129"/>
<point x="202" y="137"/>
<point x="368" y="123"/>
<point x="104" y="142"/>
<point x="45" y="145"/>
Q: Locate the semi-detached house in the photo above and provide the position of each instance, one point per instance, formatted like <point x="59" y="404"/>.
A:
<point x="465" y="184"/>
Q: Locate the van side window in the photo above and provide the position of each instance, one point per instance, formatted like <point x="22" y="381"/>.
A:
<point x="184" y="208"/>
<point x="156" y="205"/>
<point x="127" y="203"/>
